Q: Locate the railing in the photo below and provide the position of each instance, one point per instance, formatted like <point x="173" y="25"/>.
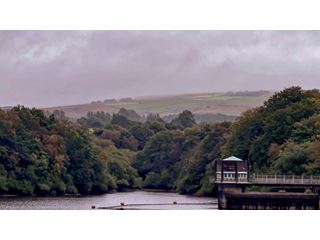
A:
<point x="274" y="179"/>
<point x="231" y="180"/>
<point x="285" y="179"/>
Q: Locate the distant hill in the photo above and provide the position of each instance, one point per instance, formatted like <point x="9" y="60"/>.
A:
<point x="6" y="107"/>
<point x="229" y="103"/>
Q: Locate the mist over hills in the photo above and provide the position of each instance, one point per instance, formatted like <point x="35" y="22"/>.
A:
<point x="227" y="103"/>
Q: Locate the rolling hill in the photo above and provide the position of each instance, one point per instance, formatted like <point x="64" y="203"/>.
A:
<point x="229" y="103"/>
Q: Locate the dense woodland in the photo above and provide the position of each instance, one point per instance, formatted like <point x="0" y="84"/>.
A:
<point x="43" y="154"/>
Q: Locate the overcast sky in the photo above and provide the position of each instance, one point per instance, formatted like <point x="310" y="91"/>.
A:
<point x="50" y="68"/>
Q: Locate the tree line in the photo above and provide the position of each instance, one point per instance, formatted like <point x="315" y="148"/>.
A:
<point x="49" y="155"/>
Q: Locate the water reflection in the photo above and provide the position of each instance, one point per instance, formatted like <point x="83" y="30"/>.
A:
<point x="108" y="200"/>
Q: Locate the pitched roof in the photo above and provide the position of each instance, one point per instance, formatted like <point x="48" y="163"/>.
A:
<point x="232" y="158"/>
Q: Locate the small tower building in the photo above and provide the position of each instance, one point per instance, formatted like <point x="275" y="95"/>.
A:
<point x="231" y="169"/>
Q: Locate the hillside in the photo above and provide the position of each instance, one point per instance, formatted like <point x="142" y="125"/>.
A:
<point x="229" y="103"/>
<point x="42" y="155"/>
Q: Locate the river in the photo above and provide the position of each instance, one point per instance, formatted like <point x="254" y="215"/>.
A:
<point x="132" y="200"/>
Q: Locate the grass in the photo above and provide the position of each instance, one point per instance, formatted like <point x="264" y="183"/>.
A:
<point x="197" y="103"/>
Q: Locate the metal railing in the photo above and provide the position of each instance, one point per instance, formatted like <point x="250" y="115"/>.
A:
<point x="285" y="179"/>
<point x="274" y="179"/>
<point x="230" y="179"/>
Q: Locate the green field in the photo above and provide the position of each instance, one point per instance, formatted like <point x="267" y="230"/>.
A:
<point x="164" y="105"/>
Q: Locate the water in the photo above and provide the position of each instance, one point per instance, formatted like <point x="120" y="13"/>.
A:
<point x="108" y="200"/>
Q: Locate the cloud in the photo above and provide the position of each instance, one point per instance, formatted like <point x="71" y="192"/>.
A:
<point x="46" y="68"/>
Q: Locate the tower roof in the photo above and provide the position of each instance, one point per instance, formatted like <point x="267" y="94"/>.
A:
<point x="233" y="158"/>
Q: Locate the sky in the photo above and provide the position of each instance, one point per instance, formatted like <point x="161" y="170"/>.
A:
<point x="54" y="68"/>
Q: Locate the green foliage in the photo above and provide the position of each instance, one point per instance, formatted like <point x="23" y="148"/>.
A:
<point x="206" y="186"/>
<point x="184" y="120"/>
<point x="130" y="114"/>
<point x="47" y="155"/>
<point x="204" y="117"/>
<point x="156" y="126"/>
<point x="196" y="167"/>
<point x="120" y="136"/>
<point x="284" y="98"/>
<point x="42" y="155"/>
<point x="294" y="159"/>
<point x="95" y="120"/>
<point x="122" y="121"/>
<point x="286" y="115"/>
<point x="307" y="130"/>
<point x="243" y="132"/>
<point x="161" y="180"/>
<point x="60" y="115"/>
<point x="119" y="171"/>
<point x="142" y="133"/>
<point x="299" y="158"/>
<point x="152" y="180"/>
<point x="161" y="155"/>
<point x="3" y="183"/>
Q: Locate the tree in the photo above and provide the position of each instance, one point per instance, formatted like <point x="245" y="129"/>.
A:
<point x="121" y="137"/>
<point x="130" y="114"/>
<point x="274" y="123"/>
<point x="95" y="120"/>
<point x="294" y="159"/>
<point x="184" y="120"/>
<point x="284" y="98"/>
<point x="161" y="152"/>
<point x="122" y="121"/>
<point x="197" y="160"/>
<point x="141" y="133"/>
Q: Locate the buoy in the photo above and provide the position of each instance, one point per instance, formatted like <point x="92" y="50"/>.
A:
<point x="174" y="202"/>
<point x="122" y="203"/>
<point x="93" y="206"/>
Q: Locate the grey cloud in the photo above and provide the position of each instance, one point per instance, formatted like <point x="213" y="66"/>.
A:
<point x="46" y="68"/>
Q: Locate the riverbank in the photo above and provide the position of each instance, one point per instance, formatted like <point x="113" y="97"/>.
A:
<point x="111" y="192"/>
